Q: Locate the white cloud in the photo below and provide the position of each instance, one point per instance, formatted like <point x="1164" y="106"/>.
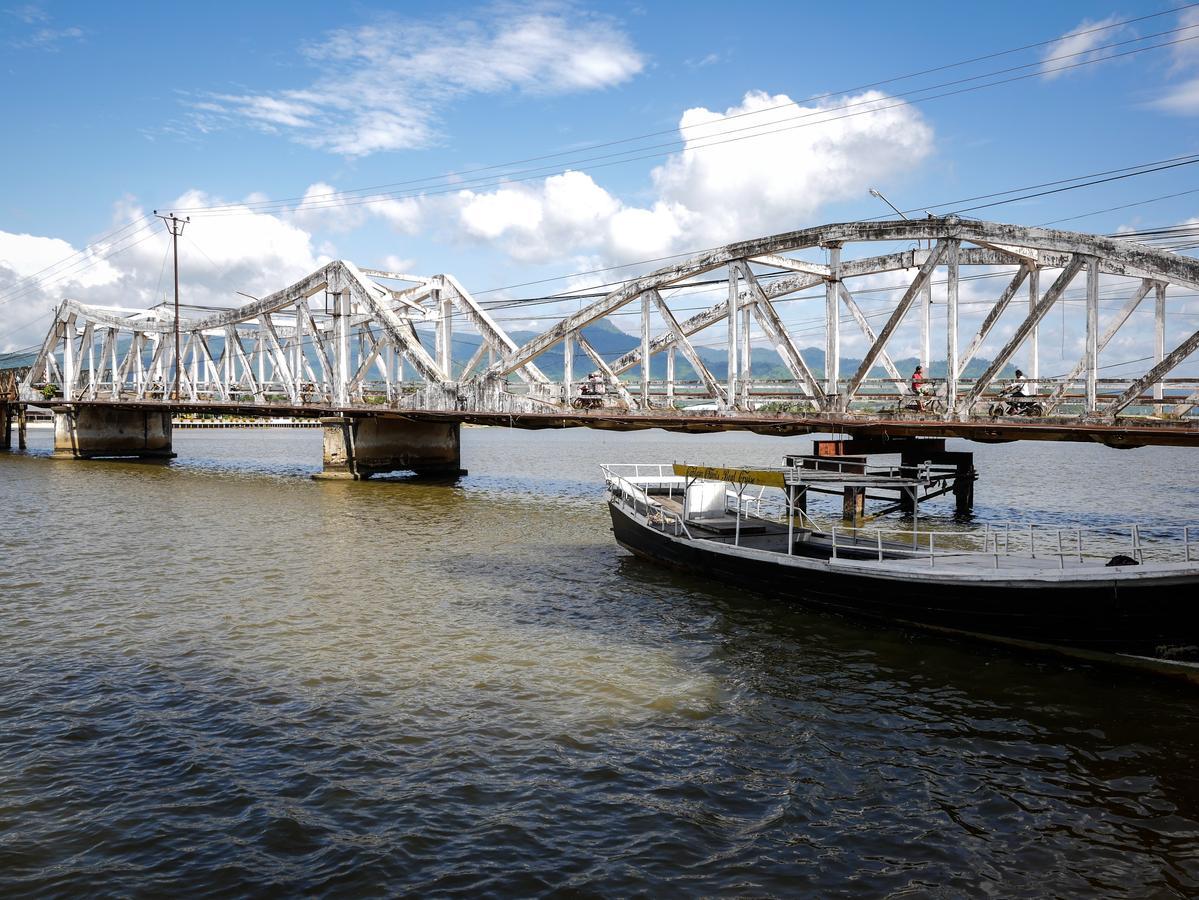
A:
<point x="1183" y="99"/>
<point x="251" y="252"/>
<point x="40" y="35"/>
<point x="1180" y="99"/>
<point x="1078" y="42"/>
<point x="383" y="86"/>
<point x="1186" y="52"/>
<point x="323" y="208"/>
<point x="717" y="189"/>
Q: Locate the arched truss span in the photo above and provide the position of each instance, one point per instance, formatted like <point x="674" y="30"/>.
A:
<point x="344" y="336"/>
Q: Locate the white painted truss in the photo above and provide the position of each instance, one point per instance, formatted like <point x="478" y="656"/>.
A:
<point x="344" y="337"/>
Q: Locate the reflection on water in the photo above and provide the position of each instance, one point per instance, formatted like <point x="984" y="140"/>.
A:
<point x="221" y="676"/>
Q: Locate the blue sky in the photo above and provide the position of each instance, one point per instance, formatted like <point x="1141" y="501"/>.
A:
<point x="115" y="110"/>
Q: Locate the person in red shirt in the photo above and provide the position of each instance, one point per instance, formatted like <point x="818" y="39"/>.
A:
<point x="918" y="386"/>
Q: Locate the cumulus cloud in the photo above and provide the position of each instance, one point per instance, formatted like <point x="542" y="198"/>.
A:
<point x="716" y="189"/>
<point x="383" y="86"/>
<point x="1080" y="43"/>
<point x="251" y="252"/>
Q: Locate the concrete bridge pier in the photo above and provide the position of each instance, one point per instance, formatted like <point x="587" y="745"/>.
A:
<point x="88" y="432"/>
<point x="358" y="448"/>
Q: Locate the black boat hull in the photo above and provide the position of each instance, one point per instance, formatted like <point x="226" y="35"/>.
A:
<point x="1150" y="622"/>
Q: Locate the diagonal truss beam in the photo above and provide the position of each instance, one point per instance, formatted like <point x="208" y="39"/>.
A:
<point x="993" y="316"/>
<point x="772" y="324"/>
<point x="1113" y="326"/>
<point x="905" y="302"/>
<point x="395" y="326"/>
<point x="1180" y="353"/>
<point x="609" y="375"/>
<point x="864" y="324"/>
<point x="681" y="341"/>
<point x="1033" y="319"/>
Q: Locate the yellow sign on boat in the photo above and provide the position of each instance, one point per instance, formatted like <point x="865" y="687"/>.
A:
<point x="766" y="477"/>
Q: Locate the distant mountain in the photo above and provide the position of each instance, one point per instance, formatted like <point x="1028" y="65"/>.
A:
<point x="612" y="343"/>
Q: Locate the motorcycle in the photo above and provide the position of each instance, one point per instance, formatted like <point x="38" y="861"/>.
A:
<point x="591" y="396"/>
<point x="1010" y="402"/>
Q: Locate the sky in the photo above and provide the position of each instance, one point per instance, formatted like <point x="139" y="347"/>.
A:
<point x="522" y="146"/>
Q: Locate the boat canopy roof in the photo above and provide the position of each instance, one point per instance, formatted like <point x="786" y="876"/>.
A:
<point x="765" y="477"/>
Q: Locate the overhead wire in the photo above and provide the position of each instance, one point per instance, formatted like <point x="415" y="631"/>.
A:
<point x="749" y="113"/>
<point x="4" y="297"/>
<point x="597" y="162"/>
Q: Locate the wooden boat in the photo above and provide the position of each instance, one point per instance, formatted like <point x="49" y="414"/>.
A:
<point x="1128" y="597"/>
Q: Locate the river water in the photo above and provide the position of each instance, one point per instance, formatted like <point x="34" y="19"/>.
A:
<point x="219" y="676"/>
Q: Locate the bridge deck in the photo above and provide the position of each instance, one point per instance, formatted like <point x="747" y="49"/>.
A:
<point x="1125" y="433"/>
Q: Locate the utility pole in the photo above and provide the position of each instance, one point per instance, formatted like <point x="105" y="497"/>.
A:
<point x="175" y="227"/>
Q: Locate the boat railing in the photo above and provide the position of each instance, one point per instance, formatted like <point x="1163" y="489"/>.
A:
<point x="1029" y="540"/>
<point x="629" y="488"/>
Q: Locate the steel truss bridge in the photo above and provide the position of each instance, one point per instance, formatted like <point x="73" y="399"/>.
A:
<point x="346" y="341"/>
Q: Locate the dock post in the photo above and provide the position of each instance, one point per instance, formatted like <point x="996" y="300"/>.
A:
<point x="853" y="506"/>
<point x="5" y="427"/>
<point x="963" y="485"/>
<point x="22" y="426"/>
<point x="908" y="463"/>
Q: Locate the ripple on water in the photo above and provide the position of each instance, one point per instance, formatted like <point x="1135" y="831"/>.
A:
<point x="224" y="677"/>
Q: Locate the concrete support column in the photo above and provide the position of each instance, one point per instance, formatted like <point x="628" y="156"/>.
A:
<point x="357" y="448"/>
<point x="87" y="432"/>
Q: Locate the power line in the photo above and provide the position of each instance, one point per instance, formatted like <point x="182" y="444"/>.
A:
<point x="339" y="198"/>
<point x="270" y="205"/>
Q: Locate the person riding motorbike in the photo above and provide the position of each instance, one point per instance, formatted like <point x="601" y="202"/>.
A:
<point x="1015" y="398"/>
<point x="591" y="392"/>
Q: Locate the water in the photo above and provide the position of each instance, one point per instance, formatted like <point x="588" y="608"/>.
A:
<point x="221" y="677"/>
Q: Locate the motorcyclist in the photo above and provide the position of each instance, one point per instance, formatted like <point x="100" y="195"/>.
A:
<point x="1020" y="387"/>
<point x="1016" y="395"/>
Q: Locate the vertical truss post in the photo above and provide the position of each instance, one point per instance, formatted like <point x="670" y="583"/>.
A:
<point x="68" y="357"/>
<point x="341" y="347"/>
<point x="568" y="368"/>
<point x="746" y="351"/>
<point x="926" y="324"/>
<point x="91" y="358"/>
<point x="1034" y="346"/>
<point x="1159" y="333"/>
<point x="832" y="313"/>
<point x="1092" y="332"/>
<point x="645" y="354"/>
<point x="670" y="376"/>
<point x="732" y="322"/>
<point x="951" y="325"/>
<point x="445" y="332"/>
<point x="731" y="378"/>
<point x="116" y="388"/>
